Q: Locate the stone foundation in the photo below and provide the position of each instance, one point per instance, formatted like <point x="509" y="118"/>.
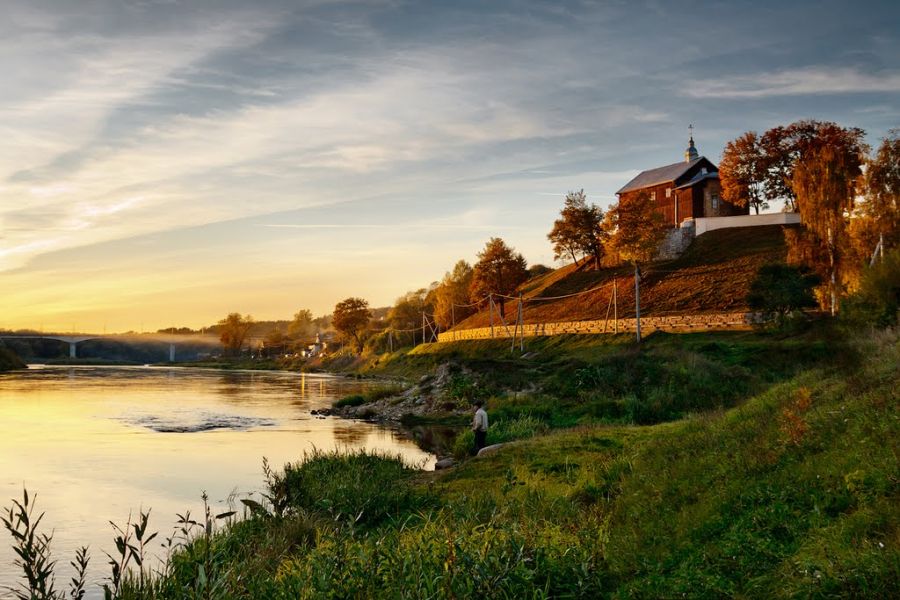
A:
<point x="671" y="323"/>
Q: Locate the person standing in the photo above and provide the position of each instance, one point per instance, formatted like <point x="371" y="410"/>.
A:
<point x="480" y="425"/>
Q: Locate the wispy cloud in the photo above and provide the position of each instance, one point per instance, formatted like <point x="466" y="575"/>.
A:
<point x="297" y="137"/>
<point x="795" y="82"/>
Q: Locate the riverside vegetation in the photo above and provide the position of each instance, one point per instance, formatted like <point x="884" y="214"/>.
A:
<point x="10" y="361"/>
<point x="729" y="464"/>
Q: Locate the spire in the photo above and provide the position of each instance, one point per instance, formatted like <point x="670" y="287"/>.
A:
<point x="691" y="152"/>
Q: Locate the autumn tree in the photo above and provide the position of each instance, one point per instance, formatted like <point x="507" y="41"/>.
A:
<point x="636" y="228"/>
<point x="742" y="172"/>
<point x="499" y="271"/>
<point x="233" y="331"/>
<point x="351" y="319"/>
<point x="824" y="182"/>
<point x="578" y="230"/>
<point x="301" y="326"/>
<point x="756" y="170"/>
<point x="452" y="296"/>
<point x="408" y="309"/>
<point x="878" y="217"/>
<point x="784" y="147"/>
<point x="275" y="341"/>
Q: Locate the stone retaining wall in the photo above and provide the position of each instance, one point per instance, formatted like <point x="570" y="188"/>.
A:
<point x="671" y="323"/>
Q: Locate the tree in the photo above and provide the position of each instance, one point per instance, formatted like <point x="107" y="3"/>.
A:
<point x="879" y="214"/>
<point x="233" y="331"/>
<point x="302" y="325"/>
<point x="452" y="296"/>
<point x="351" y="319"/>
<point x="636" y="228"/>
<point x="824" y="182"/>
<point x="877" y="302"/>
<point x="408" y="309"/>
<point x="498" y="272"/>
<point x="275" y="341"/>
<point x="784" y="147"/>
<point x="742" y="172"/>
<point x="578" y="229"/>
<point x="756" y="170"/>
<point x="780" y="291"/>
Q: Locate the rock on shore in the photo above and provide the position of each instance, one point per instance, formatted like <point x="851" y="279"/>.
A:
<point x="427" y="398"/>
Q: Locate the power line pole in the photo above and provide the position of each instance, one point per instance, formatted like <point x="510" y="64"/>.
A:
<point x="831" y="260"/>
<point x="491" y="308"/>
<point x="615" y="305"/>
<point x="637" y="301"/>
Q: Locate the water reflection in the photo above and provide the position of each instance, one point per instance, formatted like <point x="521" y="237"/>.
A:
<point x="351" y="435"/>
<point x="96" y="443"/>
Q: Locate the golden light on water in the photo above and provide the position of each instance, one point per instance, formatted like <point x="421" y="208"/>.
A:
<point x="96" y="444"/>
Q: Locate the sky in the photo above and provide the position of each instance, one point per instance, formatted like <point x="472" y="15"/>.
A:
<point x="165" y="162"/>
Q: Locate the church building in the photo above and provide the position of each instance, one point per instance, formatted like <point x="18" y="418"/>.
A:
<point x="684" y="190"/>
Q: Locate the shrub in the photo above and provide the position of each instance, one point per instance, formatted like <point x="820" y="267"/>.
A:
<point x="353" y="400"/>
<point x="352" y="487"/>
<point x="373" y="394"/>
<point x="877" y="301"/>
<point x="781" y="291"/>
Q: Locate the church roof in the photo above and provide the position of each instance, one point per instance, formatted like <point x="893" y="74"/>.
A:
<point x="698" y="178"/>
<point x="659" y="175"/>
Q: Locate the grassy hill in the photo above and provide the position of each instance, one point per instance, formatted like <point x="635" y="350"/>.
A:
<point x="713" y="275"/>
<point x="789" y="490"/>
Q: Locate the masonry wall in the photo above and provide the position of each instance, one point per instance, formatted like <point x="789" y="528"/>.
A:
<point x="671" y="323"/>
<point x="705" y="224"/>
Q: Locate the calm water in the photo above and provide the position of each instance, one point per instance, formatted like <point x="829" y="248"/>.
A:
<point x="96" y="443"/>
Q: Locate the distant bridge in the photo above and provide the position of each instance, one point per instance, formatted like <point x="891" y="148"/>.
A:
<point x="74" y="340"/>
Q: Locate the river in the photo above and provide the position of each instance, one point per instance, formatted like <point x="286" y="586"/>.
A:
<point x="97" y="443"/>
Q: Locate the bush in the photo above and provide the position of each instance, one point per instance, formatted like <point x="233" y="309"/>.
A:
<point x="877" y="301"/>
<point x="781" y="291"/>
<point x="351" y="487"/>
<point x="353" y="400"/>
<point x="9" y="360"/>
<point x="371" y="395"/>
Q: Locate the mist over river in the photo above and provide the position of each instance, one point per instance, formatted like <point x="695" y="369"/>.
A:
<point x="98" y="443"/>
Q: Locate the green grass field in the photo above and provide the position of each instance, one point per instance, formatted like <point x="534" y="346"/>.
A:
<point x="785" y="485"/>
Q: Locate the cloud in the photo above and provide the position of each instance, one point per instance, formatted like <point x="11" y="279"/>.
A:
<point x="795" y="82"/>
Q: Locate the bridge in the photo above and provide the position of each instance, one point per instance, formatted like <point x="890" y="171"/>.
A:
<point x="74" y="340"/>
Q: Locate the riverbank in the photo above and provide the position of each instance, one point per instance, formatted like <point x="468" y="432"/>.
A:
<point x="571" y="380"/>
<point x="9" y="361"/>
<point x="785" y="484"/>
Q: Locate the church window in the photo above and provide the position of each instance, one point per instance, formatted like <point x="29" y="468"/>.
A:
<point x="653" y="195"/>
<point x="668" y="192"/>
<point x="715" y="201"/>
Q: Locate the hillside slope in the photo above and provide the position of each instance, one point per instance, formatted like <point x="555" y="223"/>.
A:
<point x="793" y="493"/>
<point x="713" y="275"/>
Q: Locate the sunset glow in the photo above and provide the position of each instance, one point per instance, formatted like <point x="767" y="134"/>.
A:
<point x="165" y="163"/>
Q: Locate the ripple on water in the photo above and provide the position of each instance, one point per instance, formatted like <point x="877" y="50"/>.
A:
<point x="198" y="423"/>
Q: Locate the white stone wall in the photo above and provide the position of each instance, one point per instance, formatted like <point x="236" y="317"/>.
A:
<point x="704" y="224"/>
